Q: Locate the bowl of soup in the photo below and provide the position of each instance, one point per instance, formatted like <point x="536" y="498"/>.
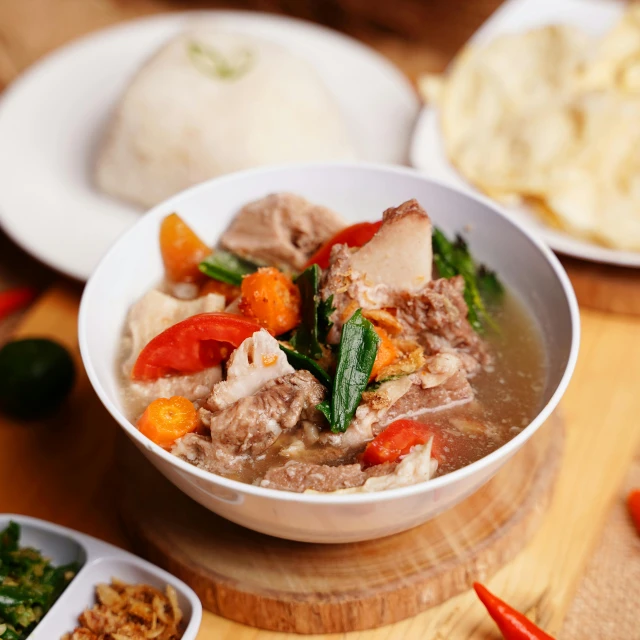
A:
<point x="328" y="352"/>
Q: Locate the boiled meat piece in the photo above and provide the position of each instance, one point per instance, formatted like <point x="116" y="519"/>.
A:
<point x="304" y="476"/>
<point x="281" y="229"/>
<point x="419" y="400"/>
<point x="252" y="424"/>
<point x="397" y="259"/>
<point x="201" y="452"/>
<point x="436" y="318"/>
<point x="400" y="254"/>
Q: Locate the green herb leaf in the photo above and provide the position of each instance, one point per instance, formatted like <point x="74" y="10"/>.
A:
<point x="305" y="339"/>
<point x="9" y="537"/>
<point x="299" y="361"/>
<point x="325" y="409"/>
<point x="29" y="585"/>
<point x="227" y="267"/>
<point x="454" y="258"/>
<point x="356" y="355"/>
<point x="490" y="287"/>
<point x="211" y="62"/>
<point x="325" y="311"/>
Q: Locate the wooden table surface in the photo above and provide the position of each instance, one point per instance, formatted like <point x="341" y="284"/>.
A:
<point x="65" y="475"/>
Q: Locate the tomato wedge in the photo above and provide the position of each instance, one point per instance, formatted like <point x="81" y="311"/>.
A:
<point x="192" y="345"/>
<point x="354" y="236"/>
<point x="397" y="440"/>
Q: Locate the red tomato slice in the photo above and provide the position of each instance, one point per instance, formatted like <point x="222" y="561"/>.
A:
<point x="192" y="345"/>
<point x="354" y="236"/>
<point x="397" y="440"/>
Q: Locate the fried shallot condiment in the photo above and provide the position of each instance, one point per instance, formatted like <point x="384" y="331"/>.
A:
<point x="130" y="612"/>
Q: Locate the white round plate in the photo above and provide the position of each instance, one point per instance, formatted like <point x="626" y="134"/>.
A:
<point x="427" y="150"/>
<point x="52" y="117"/>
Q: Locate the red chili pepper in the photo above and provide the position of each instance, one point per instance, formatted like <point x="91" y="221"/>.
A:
<point x="633" y="502"/>
<point x="354" y="236"/>
<point x="397" y="440"/>
<point x="192" y="345"/>
<point x="512" y="624"/>
<point x="13" y="300"/>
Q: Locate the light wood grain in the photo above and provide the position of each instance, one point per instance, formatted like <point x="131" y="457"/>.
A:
<point x="310" y="588"/>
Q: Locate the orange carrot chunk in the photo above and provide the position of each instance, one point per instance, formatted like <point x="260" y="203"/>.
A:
<point x="387" y="352"/>
<point x="633" y="502"/>
<point x="512" y="624"/>
<point x="167" y="419"/>
<point x="182" y="250"/>
<point x="271" y="299"/>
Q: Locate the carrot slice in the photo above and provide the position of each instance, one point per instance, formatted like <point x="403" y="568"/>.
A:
<point x="167" y="419"/>
<point x="270" y="297"/>
<point x="387" y="352"/>
<point x="182" y="250"/>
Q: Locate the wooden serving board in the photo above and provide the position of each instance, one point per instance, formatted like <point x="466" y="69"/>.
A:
<point x="312" y="588"/>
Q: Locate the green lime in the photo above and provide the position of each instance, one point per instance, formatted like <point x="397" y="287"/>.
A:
<point x="36" y="375"/>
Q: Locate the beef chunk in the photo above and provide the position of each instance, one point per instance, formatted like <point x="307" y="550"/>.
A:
<point x="252" y="424"/>
<point x="302" y="476"/>
<point x="282" y="229"/>
<point x="419" y="400"/>
<point x="436" y="317"/>
<point x="202" y="452"/>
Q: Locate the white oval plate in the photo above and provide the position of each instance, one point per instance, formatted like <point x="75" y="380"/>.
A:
<point x="100" y="562"/>
<point x="52" y="117"/>
<point x="427" y="150"/>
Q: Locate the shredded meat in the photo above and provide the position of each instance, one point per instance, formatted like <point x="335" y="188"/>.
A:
<point x="436" y="317"/>
<point x="253" y="424"/>
<point x="281" y="229"/>
<point x="302" y="476"/>
<point x="419" y="400"/>
<point x="200" y="451"/>
<point x="247" y="428"/>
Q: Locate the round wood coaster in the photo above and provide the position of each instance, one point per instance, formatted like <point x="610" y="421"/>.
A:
<point x="310" y="588"/>
<point x="605" y="287"/>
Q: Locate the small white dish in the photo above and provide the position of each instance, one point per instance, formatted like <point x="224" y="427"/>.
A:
<point x="100" y="563"/>
<point x="358" y="192"/>
<point x="52" y="117"/>
<point x="427" y="149"/>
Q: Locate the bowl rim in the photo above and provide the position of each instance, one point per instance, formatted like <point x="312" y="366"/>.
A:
<point x="451" y="478"/>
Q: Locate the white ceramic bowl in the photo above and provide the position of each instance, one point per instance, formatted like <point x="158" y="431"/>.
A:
<point x="358" y="192"/>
